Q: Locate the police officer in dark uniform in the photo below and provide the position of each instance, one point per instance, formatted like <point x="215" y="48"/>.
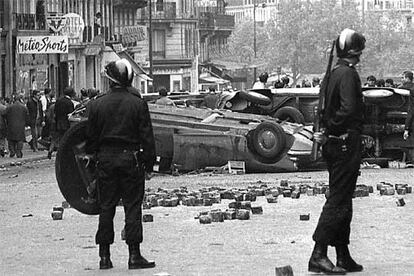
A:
<point x="120" y="135"/>
<point x="342" y="122"/>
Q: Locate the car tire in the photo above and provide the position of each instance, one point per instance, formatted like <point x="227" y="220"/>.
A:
<point x="68" y="176"/>
<point x="289" y="114"/>
<point x="268" y="141"/>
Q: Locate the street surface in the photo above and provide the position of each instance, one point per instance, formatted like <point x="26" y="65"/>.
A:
<point x="382" y="237"/>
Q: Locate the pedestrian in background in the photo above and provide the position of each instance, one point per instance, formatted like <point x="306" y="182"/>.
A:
<point x="63" y="106"/>
<point x="342" y="122"/>
<point x="17" y="117"/>
<point x="3" y="129"/>
<point x="389" y="83"/>
<point x="120" y="135"/>
<point x="36" y="121"/>
<point x="164" y="100"/>
<point x="371" y="81"/>
<point x="407" y="83"/>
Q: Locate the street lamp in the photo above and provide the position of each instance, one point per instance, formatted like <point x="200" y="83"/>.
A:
<point x="254" y="34"/>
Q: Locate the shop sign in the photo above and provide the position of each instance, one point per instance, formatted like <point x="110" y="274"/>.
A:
<point x="168" y="71"/>
<point x="42" y="45"/>
<point x="56" y="23"/>
<point x="92" y="50"/>
<point x="131" y="34"/>
<point x="74" y="26"/>
<point x="206" y="3"/>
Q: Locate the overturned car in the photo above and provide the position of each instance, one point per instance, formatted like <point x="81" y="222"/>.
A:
<point x="192" y="138"/>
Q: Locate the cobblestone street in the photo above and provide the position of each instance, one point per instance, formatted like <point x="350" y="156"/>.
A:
<point x="34" y="244"/>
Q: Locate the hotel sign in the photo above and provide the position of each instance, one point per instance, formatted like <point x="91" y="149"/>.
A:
<point x="42" y="45"/>
<point x="56" y="23"/>
<point x="74" y="26"/>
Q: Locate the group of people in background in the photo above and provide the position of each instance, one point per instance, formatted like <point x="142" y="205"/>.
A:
<point x="46" y="117"/>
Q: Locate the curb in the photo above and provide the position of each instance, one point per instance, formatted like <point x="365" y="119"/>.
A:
<point x="22" y="161"/>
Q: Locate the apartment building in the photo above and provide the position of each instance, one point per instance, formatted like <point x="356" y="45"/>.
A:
<point x="76" y="35"/>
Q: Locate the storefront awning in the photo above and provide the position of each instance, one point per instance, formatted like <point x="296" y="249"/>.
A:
<point x="209" y="78"/>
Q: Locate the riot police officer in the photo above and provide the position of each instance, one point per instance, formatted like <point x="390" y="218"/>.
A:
<point x="120" y="135"/>
<point x="342" y="121"/>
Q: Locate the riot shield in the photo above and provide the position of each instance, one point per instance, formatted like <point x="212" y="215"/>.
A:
<point x="75" y="174"/>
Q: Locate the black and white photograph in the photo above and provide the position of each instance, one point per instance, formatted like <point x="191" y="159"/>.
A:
<point x="207" y="137"/>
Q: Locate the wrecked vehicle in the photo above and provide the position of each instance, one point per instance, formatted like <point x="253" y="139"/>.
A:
<point x="192" y="138"/>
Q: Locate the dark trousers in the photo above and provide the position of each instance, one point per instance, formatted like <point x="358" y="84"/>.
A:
<point x="119" y="177"/>
<point x="15" y="148"/>
<point x="343" y="160"/>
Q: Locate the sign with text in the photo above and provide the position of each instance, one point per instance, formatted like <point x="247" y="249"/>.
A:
<point x="42" y="45"/>
<point x="131" y="34"/>
<point x="206" y="3"/>
<point x="74" y="26"/>
<point x="56" y="23"/>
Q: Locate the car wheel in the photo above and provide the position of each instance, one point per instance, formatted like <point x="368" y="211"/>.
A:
<point x="70" y="178"/>
<point x="268" y="140"/>
<point x="289" y="114"/>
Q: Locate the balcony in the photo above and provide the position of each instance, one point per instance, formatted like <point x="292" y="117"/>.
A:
<point x="164" y="12"/>
<point x="28" y="21"/>
<point x="130" y="4"/>
<point x="216" y="22"/>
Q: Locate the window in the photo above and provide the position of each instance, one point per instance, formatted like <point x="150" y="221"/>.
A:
<point x="158" y="43"/>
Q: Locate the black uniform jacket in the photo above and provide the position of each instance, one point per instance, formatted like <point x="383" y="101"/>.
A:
<point x="63" y="107"/>
<point x="410" y="116"/>
<point x="121" y="118"/>
<point x="17" y="117"/>
<point x="344" y="108"/>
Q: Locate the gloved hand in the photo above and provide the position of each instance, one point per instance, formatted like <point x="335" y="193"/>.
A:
<point x="406" y="134"/>
<point x="319" y="137"/>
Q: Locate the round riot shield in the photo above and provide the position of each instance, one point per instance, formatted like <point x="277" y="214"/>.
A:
<point x="75" y="173"/>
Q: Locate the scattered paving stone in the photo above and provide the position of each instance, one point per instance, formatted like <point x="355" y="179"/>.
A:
<point x="401" y="191"/>
<point x="242" y="214"/>
<point x="287" y="193"/>
<point x="409" y="189"/>
<point x="57" y="215"/>
<point x="310" y="191"/>
<point x="207" y="202"/>
<point x="58" y="209"/>
<point x="235" y="205"/>
<point x="257" y="210"/>
<point x="284" y="183"/>
<point x="247" y="205"/>
<point x="230" y="214"/>
<point x="205" y="219"/>
<point x="271" y="199"/>
<point x="27" y="215"/>
<point x="284" y="271"/>
<point x="400" y="202"/>
<point x="304" y="217"/>
<point x="65" y="204"/>
<point x="295" y="194"/>
<point x="217" y="216"/>
<point x="147" y="218"/>
<point x="387" y="190"/>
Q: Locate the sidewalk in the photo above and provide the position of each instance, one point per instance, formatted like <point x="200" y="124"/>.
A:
<point x="28" y="156"/>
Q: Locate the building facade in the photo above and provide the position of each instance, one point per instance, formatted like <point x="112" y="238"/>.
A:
<point x="89" y="27"/>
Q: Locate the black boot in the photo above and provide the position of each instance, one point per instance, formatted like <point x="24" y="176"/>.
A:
<point x="344" y="259"/>
<point x="136" y="261"/>
<point x="319" y="262"/>
<point x="105" y="262"/>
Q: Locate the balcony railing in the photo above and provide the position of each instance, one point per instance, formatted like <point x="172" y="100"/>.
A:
<point x="27" y="21"/>
<point x="164" y="12"/>
<point x="211" y="21"/>
<point x="132" y="4"/>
